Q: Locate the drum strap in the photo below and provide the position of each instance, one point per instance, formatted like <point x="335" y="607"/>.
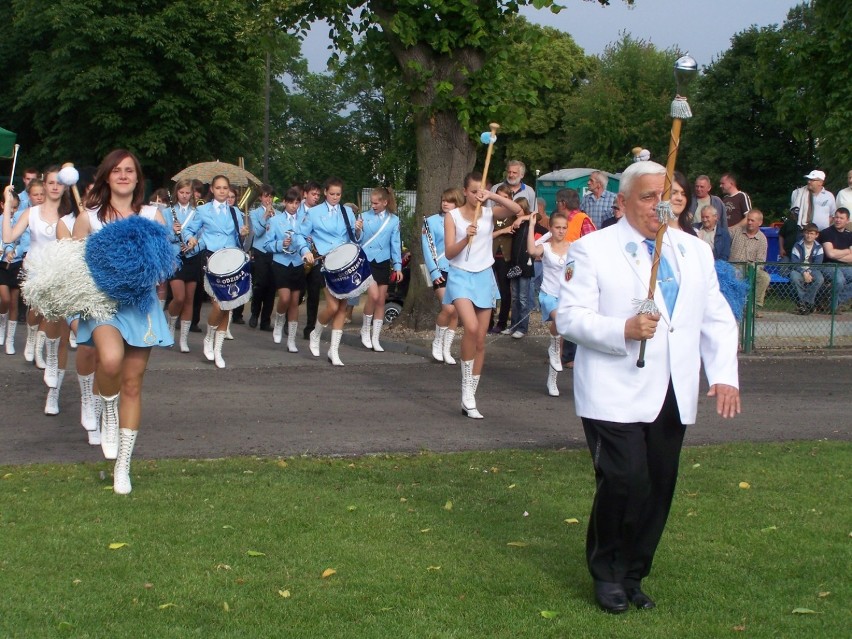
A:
<point x="236" y="226"/>
<point x="348" y="225"/>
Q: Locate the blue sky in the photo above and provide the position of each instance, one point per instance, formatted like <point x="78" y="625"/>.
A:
<point x="702" y="27"/>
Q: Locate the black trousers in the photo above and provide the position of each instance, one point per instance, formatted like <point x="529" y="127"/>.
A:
<point x="263" y="293"/>
<point x="636" y="468"/>
<point x="504" y="285"/>
<point x="314" y="282"/>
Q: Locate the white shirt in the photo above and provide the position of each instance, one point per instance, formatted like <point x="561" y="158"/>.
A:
<point x="481" y="257"/>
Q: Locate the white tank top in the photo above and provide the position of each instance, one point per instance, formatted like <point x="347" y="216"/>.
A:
<point x="481" y="255"/>
<point x="41" y="233"/>
<point x="147" y="211"/>
<point x="553" y="269"/>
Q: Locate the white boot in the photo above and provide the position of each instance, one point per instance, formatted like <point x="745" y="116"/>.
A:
<point x="228" y="331"/>
<point x="468" y="403"/>
<point x="51" y="406"/>
<point x="554" y="354"/>
<point x="51" y="369"/>
<point x="41" y="338"/>
<point x="333" y="354"/>
<point x="552" y="388"/>
<point x="95" y="435"/>
<point x="449" y="335"/>
<point x="292" y="328"/>
<point x="315" y="337"/>
<point x="109" y="426"/>
<point x="29" y="349"/>
<point x="209" y="340"/>
<point x="4" y="319"/>
<point x="438" y="343"/>
<point x="217" y="349"/>
<point x="184" y="335"/>
<point x="121" y="472"/>
<point x="366" y="338"/>
<point x="171" y="320"/>
<point x="87" y="401"/>
<point x="278" y="328"/>
<point x="377" y="331"/>
<point x="11" y="328"/>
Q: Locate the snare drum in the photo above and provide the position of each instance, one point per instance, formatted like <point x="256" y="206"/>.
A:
<point x="347" y="271"/>
<point x="228" y="278"/>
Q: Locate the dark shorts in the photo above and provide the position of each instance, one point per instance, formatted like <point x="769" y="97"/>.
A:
<point x="190" y="268"/>
<point x="443" y="284"/>
<point x="381" y="272"/>
<point x="292" y="277"/>
<point x="9" y="274"/>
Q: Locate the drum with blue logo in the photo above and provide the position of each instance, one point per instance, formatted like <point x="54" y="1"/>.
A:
<point x="347" y="271"/>
<point x="228" y="278"/>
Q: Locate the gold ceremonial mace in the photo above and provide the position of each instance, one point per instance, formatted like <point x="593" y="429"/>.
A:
<point x="684" y="70"/>
<point x="492" y="138"/>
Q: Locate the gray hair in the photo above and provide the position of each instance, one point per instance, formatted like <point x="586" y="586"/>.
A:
<point x="600" y="177"/>
<point x="703" y="177"/>
<point x="637" y="170"/>
<point x="709" y="207"/>
<point x="518" y="164"/>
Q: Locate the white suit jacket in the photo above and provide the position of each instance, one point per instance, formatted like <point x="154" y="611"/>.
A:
<point x="609" y="272"/>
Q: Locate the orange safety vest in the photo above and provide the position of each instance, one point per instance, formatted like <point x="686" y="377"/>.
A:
<point x="575" y="226"/>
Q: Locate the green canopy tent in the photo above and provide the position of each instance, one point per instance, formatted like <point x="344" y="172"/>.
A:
<point x="7" y="143"/>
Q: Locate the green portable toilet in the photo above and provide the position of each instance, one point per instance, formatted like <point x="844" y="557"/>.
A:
<point x="548" y="184"/>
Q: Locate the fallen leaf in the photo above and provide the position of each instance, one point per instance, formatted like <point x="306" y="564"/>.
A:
<point x="64" y="626"/>
<point x="696" y="465"/>
<point x="284" y="593"/>
<point x="227" y="527"/>
<point x="517" y="544"/>
<point x="740" y="628"/>
<point x="425" y="530"/>
<point x="255" y="553"/>
<point x="7" y="476"/>
<point x="239" y="581"/>
<point x="403" y="499"/>
<point x="526" y="514"/>
<point x="328" y="572"/>
<point x="511" y="486"/>
<point x="222" y="567"/>
<point x="572" y="520"/>
<point x="745" y="485"/>
<point x="352" y="508"/>
<point x="167" y="605"/>
<point x="226" y="607"/>
<point x="769" y="529"/>
<point x="549" y="614"/>
<point x="449" y="505"/>
<point x="824" y="594"/>
<point x="432" y="568"/>
<point x="77" y="582"/>
<point x="148" y="586"/>
<point x="107" y="488"/>
<point x="248" y="472"/>
<point x="282" y="463"/>
<point x="118" y="544"/>
<point x="803" y="611"/>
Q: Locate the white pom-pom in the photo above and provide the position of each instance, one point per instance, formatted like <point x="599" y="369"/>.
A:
<point x="57" y="283"/>
<point x="68" y="176"/>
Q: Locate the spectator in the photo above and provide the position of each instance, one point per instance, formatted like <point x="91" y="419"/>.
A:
<point x="617" y="214"/>
<point x="737" y="203"/>
<point x="836" y="243"/>
<point x="788" y="234"/>
<point x="515" y="171"/>
<point x="598" y="202"/>
<point x="703" y="197"/>
<point x="501" y="245"/>
<point x="813" y="203"/>
<point x="844" y="196"/>
<point x="522" y="270"/>
<point x="715" y="234"/>
<point x="29" y="175"/>
<point x="807" y="280"/>
<point x="748" y="246"/>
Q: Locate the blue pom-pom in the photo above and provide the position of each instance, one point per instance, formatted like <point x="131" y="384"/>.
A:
<point x="128" y="258"/>
<point x="732" y="286"/>
<point x="487" y="138"/>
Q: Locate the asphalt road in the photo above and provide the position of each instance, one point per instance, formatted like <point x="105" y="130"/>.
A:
<point x="269" y="402"/>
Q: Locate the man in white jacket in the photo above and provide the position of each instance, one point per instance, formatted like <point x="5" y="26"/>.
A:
<point x="635" y="418"/>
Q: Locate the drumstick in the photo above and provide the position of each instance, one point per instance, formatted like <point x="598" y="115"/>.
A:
<point x="492" y="139"/>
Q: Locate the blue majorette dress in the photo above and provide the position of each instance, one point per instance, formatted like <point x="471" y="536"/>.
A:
<point x="139" y="329"/>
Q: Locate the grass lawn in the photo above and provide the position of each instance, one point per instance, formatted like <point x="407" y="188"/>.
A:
<point x="432" y="545"/>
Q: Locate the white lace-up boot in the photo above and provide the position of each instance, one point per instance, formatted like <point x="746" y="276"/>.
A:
<point x="87" y="402"/>
<point x="468" y="403"/>
<point x="292" y="328"/>
<point x="41" y="338"/>
<point x="438" y="343"/>
<point x="278" y="328"/>
<point x="552" y="388"/>
<point x="51" y="369"/>
<point x="4" y="320"/>
<point x="217" y="349"/>
<point x="554" y="354"/>
<point x="377" y="331"/>
<point x="184" y="335"/>
<point x="121" y="472"/>
<point x="315" y="337"/>
<point x="209" y="341"/>
<point x="449" y="335"/>
<point x="333" y="350"/>
<point x="29" y="349"/>
<point x="171" y="320"/>
<point x="230" y="321"/>
<point x="109" y="426"/>
<point x="51" y="406"/>
<point x="11" y="329"/>
<point x="95" y="435"/>
<point x="366" y="338"/>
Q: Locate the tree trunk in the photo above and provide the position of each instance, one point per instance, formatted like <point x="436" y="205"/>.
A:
<point x="445" y="154"/>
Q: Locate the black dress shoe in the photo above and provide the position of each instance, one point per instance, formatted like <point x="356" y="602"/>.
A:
<point x="238" y="320"/>
<point x="611" y="597"/>
<point x="266" y="326"/>
<point x="194" y="328"/>
<point x="253" y="321"/>
<point x="640" y="599"/>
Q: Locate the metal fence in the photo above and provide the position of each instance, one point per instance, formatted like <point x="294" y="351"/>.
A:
<point x="785" y="321"/>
